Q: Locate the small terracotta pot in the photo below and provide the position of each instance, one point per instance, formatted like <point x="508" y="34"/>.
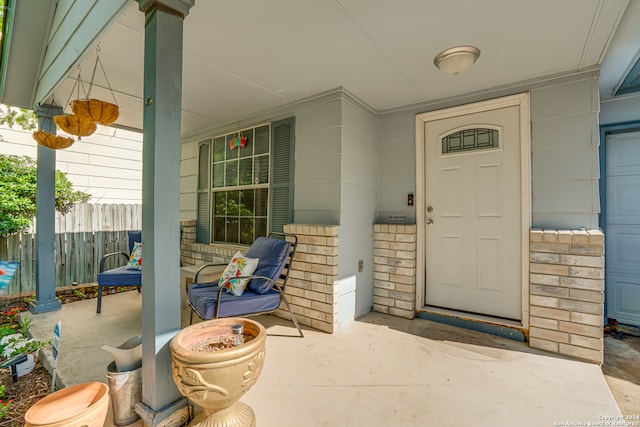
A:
<point x="80" y="405"/>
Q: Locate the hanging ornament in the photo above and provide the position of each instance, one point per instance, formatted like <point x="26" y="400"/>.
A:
<point x="49" y="140"/>
<point x="238" y="141"/>
<point x="75" y="125"/>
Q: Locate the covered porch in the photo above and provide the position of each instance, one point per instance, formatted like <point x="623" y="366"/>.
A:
<point x="415" y="371"/>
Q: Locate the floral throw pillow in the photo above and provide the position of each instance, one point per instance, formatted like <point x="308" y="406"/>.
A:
<point x="238" y="266"/>
<point x="135" y="259"/>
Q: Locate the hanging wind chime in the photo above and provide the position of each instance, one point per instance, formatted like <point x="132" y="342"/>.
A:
<point x="238" y="140"/>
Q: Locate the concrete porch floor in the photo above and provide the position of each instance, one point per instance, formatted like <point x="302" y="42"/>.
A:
<point x="380" y="371"/>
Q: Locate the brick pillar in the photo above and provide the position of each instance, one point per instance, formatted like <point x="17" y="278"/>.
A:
<point x="312" y="289"/>
<point x="394" y="285"/>
<point x="567" y="292"/>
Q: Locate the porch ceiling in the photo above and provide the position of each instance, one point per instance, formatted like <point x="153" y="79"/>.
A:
<point x="242" y="57"/>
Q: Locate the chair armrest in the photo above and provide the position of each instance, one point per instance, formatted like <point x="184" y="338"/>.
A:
<point x="195" y="279"/>
<point x="105" y="256"/>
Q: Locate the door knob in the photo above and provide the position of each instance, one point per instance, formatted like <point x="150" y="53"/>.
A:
<point x="429" y="221"/>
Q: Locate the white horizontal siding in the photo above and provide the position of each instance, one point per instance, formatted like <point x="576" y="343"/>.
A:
<point x="107" y="164"/>
<point x="188" y="179"/>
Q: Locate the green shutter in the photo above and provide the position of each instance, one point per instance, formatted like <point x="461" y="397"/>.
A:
<point x="203" y="220"/>
<point x="281" y="183"/>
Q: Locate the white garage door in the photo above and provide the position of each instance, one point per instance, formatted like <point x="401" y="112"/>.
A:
<point x="622" y="251"/>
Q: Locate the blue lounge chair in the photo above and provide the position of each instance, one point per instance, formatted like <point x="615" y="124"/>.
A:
<point x="265" y="290"/>
<point x="119" y="276"/>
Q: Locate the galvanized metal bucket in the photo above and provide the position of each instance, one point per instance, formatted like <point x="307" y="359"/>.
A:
<point x="125" y="389"/>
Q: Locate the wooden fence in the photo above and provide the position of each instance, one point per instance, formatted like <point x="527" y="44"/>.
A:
<point x="82" y="237"/>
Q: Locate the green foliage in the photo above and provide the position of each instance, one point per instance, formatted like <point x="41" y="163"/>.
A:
<point x="13" y="335"/>
<point x="18" y="193"/>
<point x="4" y="405"/>
<point x="24" y="118"/>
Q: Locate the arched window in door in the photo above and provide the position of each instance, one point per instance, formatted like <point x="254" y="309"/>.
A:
<point x="470" y="139"/>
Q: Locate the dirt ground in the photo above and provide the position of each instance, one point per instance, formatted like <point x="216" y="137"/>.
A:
<point x="24" y="393"/>
<point x="34" y="386"/>
<point x="622" y="369"/>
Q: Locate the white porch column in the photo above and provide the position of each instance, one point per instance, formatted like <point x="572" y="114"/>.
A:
<point x="161" y="204"/>
<point x="46" y="299"/>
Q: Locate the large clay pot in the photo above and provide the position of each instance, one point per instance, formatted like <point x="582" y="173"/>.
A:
<point x="80" y="405"/>
<point x="216" y="380"/>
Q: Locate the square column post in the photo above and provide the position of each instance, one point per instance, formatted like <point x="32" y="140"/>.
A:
<point x="46" y="299"/>
<point x="161" y="205"/>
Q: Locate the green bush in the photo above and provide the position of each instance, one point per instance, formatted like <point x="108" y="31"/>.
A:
<point x="18" y="193"/>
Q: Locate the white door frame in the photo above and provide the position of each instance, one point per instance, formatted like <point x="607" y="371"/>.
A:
<point x="519" y="100"/>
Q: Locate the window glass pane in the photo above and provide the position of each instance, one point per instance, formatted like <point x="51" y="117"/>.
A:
<point x="218" y="229"/>
<point x="261" y="167"/>
<point x="230" y="154"/>
<point x="470" y="140"/>
<point x="232" y="230"/>
<point x="246" y="197"/>
<point x="218" y="175"/>
<point x="246" y="231"/>
<point x="233" y="202"/>
<point x="262" y="198"/>
<point x="247" y="150"/>
<point x="218" y="149"/>
<point x="262" y="140"/>
<point x="261" y="227"/>
<point x="220" y="199"/>
<point x="246" y="171"/>
<point x="239" y="185"/>
<point x="231" y="175"/>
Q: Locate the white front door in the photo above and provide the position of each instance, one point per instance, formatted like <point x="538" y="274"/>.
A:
<point x="473" y="213"/>
<point x="622" y="251"/>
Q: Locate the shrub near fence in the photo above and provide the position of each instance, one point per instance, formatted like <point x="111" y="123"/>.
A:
<point x="82" y="237"/>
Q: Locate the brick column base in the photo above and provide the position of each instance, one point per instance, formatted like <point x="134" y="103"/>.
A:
<point x="394" y="269"/>
<point x="567" y="292"/>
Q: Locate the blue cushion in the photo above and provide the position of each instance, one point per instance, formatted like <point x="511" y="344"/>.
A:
<point x="273" y="254"/>
<point x="133" y="237"/>
<point x="120" y="277"/>
<point x="203" y="298"/>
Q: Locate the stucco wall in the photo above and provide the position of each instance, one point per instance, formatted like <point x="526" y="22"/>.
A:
<point x="358" y="153"/>
<point x="564" y="166"/>
<point x="335" y="182"/>
<point x="317" y="158"/>
<point x="564" y="114"/>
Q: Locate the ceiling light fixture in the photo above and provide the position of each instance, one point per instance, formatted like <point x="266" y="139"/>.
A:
<point x="456" y="60"/>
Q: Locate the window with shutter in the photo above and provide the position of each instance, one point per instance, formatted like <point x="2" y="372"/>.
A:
<point x="203" y="233"/>
<point x="281" y="195"/>
<point x="248" y="186"/>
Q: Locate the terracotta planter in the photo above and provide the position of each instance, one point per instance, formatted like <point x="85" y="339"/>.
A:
<point x="80" y="405"/>
<point x="215" y="380"/>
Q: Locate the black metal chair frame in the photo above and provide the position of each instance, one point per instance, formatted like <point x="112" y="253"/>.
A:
<point x="102" y="262"/>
